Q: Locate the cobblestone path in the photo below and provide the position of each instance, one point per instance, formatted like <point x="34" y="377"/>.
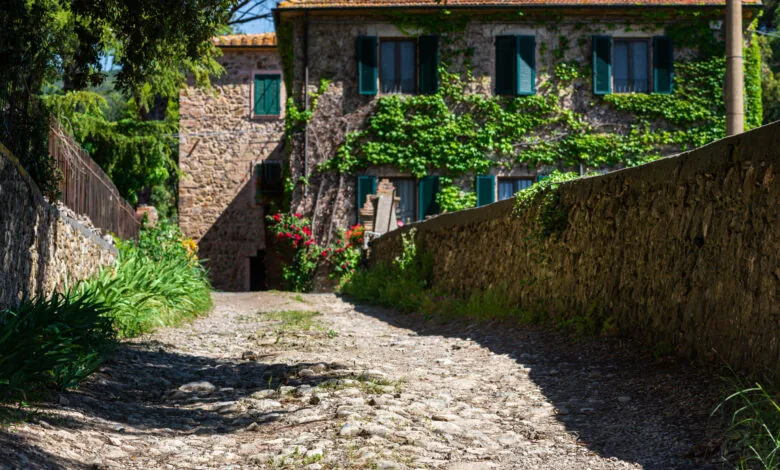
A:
<point x="278" y="380"/>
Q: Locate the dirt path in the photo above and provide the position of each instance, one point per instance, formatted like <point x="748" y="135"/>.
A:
<point x="365" y="388"/>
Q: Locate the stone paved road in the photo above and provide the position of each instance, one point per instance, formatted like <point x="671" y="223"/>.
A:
<point x="365" y="388"/>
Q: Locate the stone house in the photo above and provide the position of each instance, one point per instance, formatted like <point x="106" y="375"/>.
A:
<point x="457" y="105"/>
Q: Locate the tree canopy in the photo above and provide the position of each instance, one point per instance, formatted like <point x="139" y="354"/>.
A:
<point x="57" y="48"/>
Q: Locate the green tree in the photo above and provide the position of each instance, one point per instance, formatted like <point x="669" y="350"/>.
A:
<point x="155" y="45"/>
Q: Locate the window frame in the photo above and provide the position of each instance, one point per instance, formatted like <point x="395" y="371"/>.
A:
<point x="504" y="179"/>
<point x="282" y="95"/>
<point x="416" y="197"/>
<point x="398" y="39"/>
<point x="650" y="67"/>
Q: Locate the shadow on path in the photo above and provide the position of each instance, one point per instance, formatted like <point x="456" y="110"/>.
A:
<point x="616" y="397"/>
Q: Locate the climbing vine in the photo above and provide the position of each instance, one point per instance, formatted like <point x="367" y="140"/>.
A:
<point x="458" y="131"/>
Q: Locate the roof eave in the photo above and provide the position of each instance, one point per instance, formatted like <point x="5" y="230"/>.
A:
<point x="278" y="11"/>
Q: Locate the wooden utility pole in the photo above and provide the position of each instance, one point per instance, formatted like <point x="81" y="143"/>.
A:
<point x="735" y="112"/>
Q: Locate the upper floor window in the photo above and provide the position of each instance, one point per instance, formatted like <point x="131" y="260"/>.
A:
<point x="624" y="65"/>
<point x="515" y="65"/>
<point x="631" y="66"/>
<point x="267" y="95"/>
<point x="397" y="65"/>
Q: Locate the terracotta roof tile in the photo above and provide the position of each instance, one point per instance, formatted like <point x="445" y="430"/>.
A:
<point x="301" y="4"/>
<point x="246" y="40"/>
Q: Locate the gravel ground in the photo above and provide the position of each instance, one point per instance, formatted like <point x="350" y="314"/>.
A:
<point x="336" y="386"/>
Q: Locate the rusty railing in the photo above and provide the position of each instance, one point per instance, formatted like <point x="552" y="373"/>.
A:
<point x="87" y="190"/>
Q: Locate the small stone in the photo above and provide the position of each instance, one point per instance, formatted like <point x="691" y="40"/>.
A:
<point x="306" y="373"/>
<point x="624" y="399"/>
<point x="249" y="356"/>
<point x="319" y="368"/>
<point x="62" y="400"/>
<point x="314" y="453"/>
<point x="198" y="387"/>
<point x="349" y="430"/>
<point x="113" y="452"/>
<point x="314" y="400"/>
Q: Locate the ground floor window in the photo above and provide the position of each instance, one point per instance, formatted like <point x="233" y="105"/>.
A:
<point x="507" y="187"/>
<point x="406" y="190"/>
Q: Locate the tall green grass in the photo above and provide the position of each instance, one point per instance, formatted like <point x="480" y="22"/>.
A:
<point x="143" y="294"/>
<point x="753" y="438"/>
<point x="55" y="342"/>
<point x="52" y="342"/>
<point x="158" y="281"/>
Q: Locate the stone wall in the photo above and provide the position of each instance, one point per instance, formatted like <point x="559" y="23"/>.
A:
<point x="330" y="198"/>
<point x="681" y="252"/>
<point x="41" y="249"/>
<point x="220" y="143"/>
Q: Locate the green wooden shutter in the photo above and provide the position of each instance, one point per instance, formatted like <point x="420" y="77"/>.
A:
<point x="486" y="189"/>
<point x="526" y="65"/>
<point x="602" y="65"/>
<point x="429" y="64"/>
<point x="367" y="64"/>
<point x="428" y="188"/>
<point x="366" y="184"/>
<point x="663" y="64"/>
<point x="506" y="68"/>
<point x="267" y="94"/>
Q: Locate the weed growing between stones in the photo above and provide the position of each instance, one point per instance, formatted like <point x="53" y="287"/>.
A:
<point x="753" y="438"/>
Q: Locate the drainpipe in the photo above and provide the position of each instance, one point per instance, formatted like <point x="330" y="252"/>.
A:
<point x="735" y="81"/>
<point x="306" y="101"/>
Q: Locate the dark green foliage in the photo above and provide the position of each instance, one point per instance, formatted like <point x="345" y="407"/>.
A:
<point x="154" y="44"/>
<point x="52" y="342"/>
<point x="158" y="281"/>
<point x="753" y="438"/>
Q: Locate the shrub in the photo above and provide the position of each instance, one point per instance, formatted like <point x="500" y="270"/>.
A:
<point x="158" y="281"/>
<point x="302" y="255"/>
<point x="52" y="342"/>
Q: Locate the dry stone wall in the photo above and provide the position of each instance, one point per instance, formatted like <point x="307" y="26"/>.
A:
<point x="41" y="249"/>
<point x="682" y="253"/>
<point x="220" y="143"/>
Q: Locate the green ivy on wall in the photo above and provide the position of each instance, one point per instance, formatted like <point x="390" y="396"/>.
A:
<point x="456" y="132"/>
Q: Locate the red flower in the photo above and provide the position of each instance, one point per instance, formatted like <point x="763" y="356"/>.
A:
<point x="307" y="231"/>
<point x="278" y="217"/>
<point x="298" y="216"/>
<point x="279" y="235"/>
<point x="325" y="254"/>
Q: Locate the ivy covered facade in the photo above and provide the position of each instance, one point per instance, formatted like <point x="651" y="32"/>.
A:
<point x="458" y="107"/>
<point x="462" y="106"/>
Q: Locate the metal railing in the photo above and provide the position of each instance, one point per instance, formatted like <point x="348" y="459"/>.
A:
<point x="87" y="190"/>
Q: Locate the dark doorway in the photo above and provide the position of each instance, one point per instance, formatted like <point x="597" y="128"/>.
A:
<point x="257" y="278"/>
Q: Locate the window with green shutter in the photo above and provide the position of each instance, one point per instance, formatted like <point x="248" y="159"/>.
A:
<point x="429" y="188"/>
<point x="366" y="185"/>
<point x="269" y="181"/>
<point x="267" y="95"/>
<point x="429" y="64"/>
<point x="515" y="65"/>
<point x="602" y="65"/>
<point x="526" y="65"/>
<point x="486" y="189"/>
<point x="367" y="65"/>
<point x="505" y="65"/>
<point x="663" y="65"/>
